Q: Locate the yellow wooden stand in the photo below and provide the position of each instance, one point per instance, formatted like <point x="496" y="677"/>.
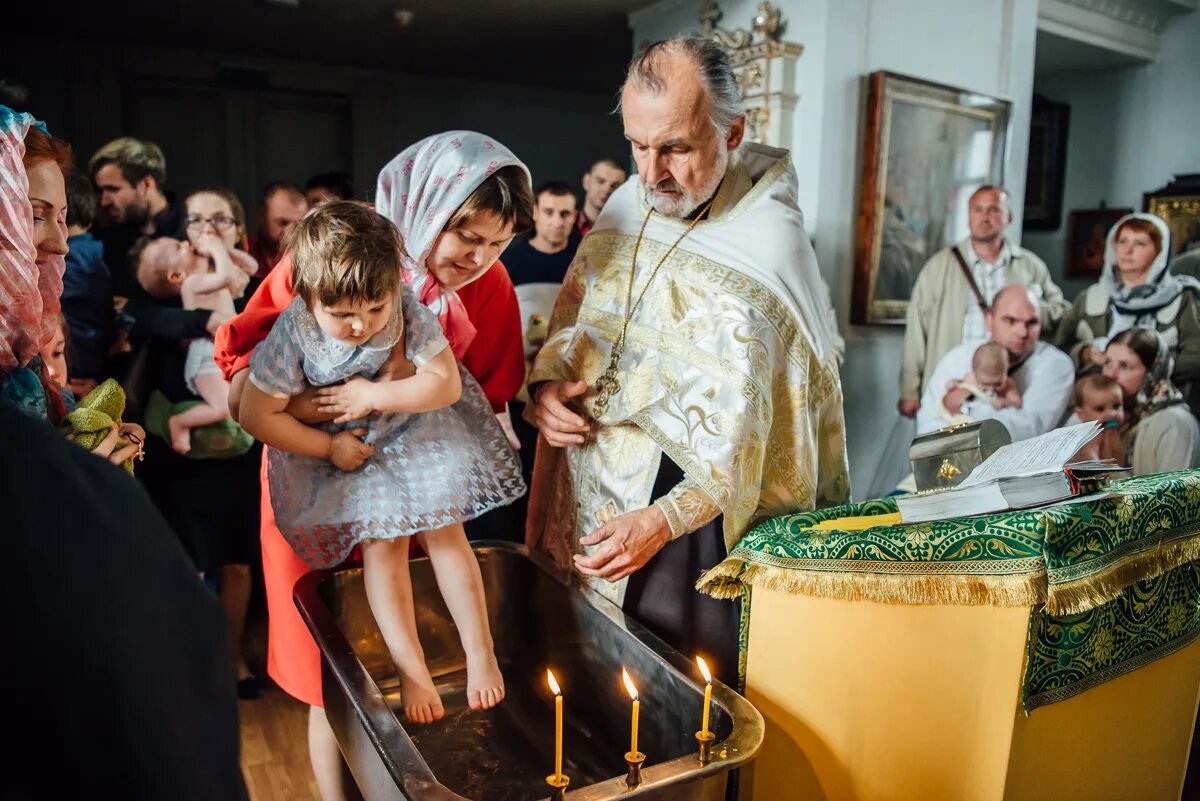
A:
<point x="866" y="701"/>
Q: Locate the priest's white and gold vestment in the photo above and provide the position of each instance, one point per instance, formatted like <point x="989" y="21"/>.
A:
<point x="730" y="367"/>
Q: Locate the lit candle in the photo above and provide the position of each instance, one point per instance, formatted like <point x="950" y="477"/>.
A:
<point x="554" y="688"/>
<point x="707" y="694"/>
<point x="633" y="729"/>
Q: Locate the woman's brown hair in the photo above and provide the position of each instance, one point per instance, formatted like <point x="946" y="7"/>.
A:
<point x="1142" y="342"/>
<point x="507" y="194"/>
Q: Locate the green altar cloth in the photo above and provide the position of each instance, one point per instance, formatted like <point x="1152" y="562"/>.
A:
<point x="1112" y="582"/>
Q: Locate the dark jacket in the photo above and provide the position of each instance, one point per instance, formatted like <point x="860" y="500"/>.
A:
<point x="87" y="303"/>
<point x="117" y="656"/>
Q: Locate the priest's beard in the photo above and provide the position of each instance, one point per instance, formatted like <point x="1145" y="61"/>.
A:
<point x="685" y="203"/>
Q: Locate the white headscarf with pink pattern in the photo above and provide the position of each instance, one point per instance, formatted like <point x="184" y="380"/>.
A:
<point x="29" y="291"/>
<point x="419" y="190"/>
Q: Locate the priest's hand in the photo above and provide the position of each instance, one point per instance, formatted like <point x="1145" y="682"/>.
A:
<point x="558" y="424"/>
<point x="908" y="408"/>
<point x="630" y="540"/>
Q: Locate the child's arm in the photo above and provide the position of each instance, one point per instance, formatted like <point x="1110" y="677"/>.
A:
<point x="266" y="419"/>
<point x="436" y="385"/>
<point x="228" y="274"/>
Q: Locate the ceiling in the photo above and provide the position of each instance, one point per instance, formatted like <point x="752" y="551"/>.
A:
<point x="1056" y="54"/>
<point x="582" y="45"/>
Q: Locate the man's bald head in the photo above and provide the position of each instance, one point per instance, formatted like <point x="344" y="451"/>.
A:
<point x="681" y="108"/>
<point x="1014" y="320"/>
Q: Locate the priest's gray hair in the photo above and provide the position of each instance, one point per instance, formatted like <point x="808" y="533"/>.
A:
<point x="724" y="96"/>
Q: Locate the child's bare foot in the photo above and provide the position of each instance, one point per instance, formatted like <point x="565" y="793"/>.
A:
<point x="422" y="704"/>
<point x="181" y="435"/>
<point x="485" y="684"/>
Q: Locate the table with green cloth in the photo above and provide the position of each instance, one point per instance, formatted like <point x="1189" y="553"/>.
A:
<point x="1113" y="582"/>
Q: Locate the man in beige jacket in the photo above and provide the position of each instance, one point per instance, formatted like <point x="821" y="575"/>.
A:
<point x="945" y="310"/>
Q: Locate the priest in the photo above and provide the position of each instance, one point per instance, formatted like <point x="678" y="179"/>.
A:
<point x="688" y="385"/>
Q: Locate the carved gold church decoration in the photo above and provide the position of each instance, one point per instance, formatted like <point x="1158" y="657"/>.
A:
<point x="765" y="68"/>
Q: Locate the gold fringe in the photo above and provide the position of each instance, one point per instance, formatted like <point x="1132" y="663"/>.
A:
<point x="1083" y="594"/>
<point x="726" y="580"/>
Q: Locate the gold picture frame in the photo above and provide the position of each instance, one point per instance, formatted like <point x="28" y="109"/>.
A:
<point x="1178" y="205"/>
<point x="927" y="147"/>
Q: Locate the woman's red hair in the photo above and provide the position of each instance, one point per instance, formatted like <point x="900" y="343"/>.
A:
<point x="41" y="146"/>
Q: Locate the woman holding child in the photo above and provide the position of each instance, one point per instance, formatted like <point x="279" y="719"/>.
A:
<point x="457" y="199"/>
<point x="204" y="479"/>
<point x="33" y="244"/>
<point x="1159" y="432"/>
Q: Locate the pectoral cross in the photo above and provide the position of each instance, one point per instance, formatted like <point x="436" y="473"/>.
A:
<point x="607" y="385"/>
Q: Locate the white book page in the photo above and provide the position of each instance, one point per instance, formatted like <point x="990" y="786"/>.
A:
<point x="1047" y="453"/>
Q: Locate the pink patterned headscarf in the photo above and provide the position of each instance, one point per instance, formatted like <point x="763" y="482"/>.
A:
<point x="419" y="190"/>
<point x="29" y="292"/>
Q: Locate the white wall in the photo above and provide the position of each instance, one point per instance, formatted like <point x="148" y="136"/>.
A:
<point x="1131" y="131"/>
<point x="981" y="45"/>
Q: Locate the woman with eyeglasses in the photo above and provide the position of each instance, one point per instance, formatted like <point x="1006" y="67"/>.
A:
<point x="1160" y="433"/>
<point x="205" y="467"/>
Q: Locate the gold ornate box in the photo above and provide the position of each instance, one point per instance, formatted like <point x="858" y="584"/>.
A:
<point x="942" y="459"/>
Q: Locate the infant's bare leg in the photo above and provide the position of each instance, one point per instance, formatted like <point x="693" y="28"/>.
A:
<point x="214" y="390"/>
<point x="389" y="591"/>
<point x="461" y="584"/>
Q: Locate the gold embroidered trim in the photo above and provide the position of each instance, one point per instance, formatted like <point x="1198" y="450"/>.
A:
<point x="726" y="581"/>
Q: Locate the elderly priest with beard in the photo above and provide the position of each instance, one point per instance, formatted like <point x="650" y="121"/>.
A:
<point x="688" y="385"/>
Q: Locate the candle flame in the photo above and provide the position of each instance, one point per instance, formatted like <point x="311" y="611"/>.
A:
<point x="553" y="684"/>
<point x="629" y="684"/>
<point x="704" y="669"/>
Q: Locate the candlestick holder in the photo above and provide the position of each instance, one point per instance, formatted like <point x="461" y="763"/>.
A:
<point x="705" y="739"/>
<point x="634" y="760"/>
<point x="558" y="786"/>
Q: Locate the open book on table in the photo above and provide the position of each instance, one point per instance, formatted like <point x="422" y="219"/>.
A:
<point x="1027" y="473"/>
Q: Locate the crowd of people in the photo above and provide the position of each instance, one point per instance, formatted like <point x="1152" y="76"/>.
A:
<point x="990" y="336"/>
<point x="171" y="296"/>
<point x="657" y="365"/>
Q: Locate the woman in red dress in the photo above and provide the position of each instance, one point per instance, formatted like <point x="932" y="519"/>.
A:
<point x="453" y="246"/>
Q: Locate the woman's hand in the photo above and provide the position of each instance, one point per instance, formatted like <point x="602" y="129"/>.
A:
<point x="131" y="432"/>
<point x="304" y="408"/>
<point x="352" y="400"/>
<point x="347" y="451"/>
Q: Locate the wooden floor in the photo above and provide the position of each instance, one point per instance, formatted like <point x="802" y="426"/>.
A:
<point x="274" y="733"/>
<point x="275" y="748"/>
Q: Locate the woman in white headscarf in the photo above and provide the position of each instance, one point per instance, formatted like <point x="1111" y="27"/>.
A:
<point x="33" y="244"/>
<point x="458" y="199"/>
<point x="1137" y="290"/>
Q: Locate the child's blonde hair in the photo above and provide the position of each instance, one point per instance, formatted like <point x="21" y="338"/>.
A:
<point x="344" y="250"/>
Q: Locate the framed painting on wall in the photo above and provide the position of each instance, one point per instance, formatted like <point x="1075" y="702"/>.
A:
<point x="1178" y="204"/>
<point x="1087" y="232"/>
<point x="927" y="148"/>
<point x="1046" y="170"/>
